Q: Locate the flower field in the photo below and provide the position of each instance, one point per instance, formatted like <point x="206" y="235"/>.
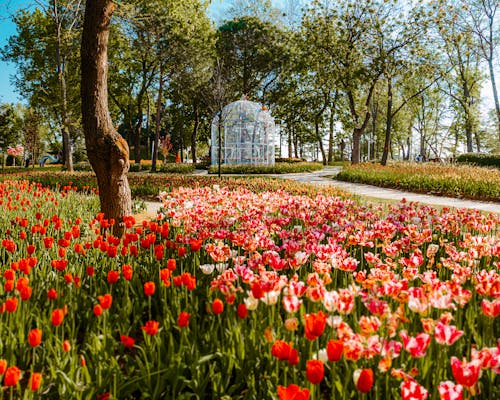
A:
<point x="239" y="294"/>
<point x="453" y="180"/>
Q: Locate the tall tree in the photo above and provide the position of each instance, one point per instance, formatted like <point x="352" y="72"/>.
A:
<point x="482" y="19"/>
<point x="11" y="118"/>
<point x="107" y="151"/>
<point x="463" y="82"/>
<point x="353" y="37"/>
<point x="252" y="51"/>
<point x="45" y="50"/>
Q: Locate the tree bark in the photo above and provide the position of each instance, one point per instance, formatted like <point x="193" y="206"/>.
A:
<point x="495" y="94"/>
<point x="320" y="140"/>
<point x="157" y="122"/>
<point x="388" y="123"/>
<point x="61" y="73"/>
<point x="107" y="151"/>
<point x="194" y="133"/>
<point x="330" y="137"/>
<point x="356" y="139"/>
<point x="342" y="149"/>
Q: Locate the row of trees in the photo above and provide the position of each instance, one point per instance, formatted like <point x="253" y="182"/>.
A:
<point x="371" y="78"/>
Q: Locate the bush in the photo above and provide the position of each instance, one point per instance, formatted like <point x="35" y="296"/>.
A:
<point x="82" y="166"/>
<point x="278" y="168"/>
<point x="480" y="159"/>
<point x="177" y="168"/>
<point x="291" y="160"/>
<point x="135" y="168"/>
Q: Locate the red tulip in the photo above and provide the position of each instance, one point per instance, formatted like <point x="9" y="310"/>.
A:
<point x="315" y="325"/>
<point x="105" y="301"/>
<point x="281" y="350"/>
<point x="57" y="317"/>
<point x="171" y="264"/>
<point x="447" y="334"/>
<point x="315" y="371"/>
<point x="12" y="376"/>
<point x="217" y="306"/>
<point x="151" y="327"/>
<point x="127" y="272"/>
<point x="466" y="374"/>
<point x="334" y="350"/>
<point x="3" y="366"/>
<point x="35" y="381"/>
<point x="113" y="276"/>
<point x="97" y="310"/>
<point x="183" y="319"/>
<point x="363" y="379"/>
<point x="11" y="304"/>
<point x="66" y="346"/>
<point x="242" y="311"/>
<point x="52" y="294"/>
<point x="411" y="390"/>
<point x="35" y="337"/>
<point x="127" y="341"/>
<point x="292" y="392"/>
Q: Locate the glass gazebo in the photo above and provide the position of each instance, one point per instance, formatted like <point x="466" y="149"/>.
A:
<point x="247" y="134"/>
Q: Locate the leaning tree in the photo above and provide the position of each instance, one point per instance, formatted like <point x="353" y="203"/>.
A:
<point x="107" y="151"/>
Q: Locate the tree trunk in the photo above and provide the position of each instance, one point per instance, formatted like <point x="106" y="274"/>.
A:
<point x="330" y="137"/>
<point x="61" y="73"/>
<point x="320" y="141"/>
<point x="194" y="133"/>
<point x="137" y="139"/>
<point x="356" y="139"/>
<point x="478" y="142"/>
<point x="296" y="143"/>
<point x="388" y="123"/>
<point x="107" y="151"/>
<point x="290" y="143"/>
<point x="495" y="95"/>
<point x="219" y="139"/>
<point x="468" y="117"/>
<point x="468" y="132"/>
<point x="157" y="122"/>
<point x="342" y="149"/>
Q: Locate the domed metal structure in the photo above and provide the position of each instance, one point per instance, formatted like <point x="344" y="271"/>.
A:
<point x="247" y="134"/>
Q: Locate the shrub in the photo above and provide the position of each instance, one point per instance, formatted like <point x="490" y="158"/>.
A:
<point x="291" y="160"/>
<point x="480" y="159"/>
<point x="278" y="168"/>
<point x="177" y="168"/>
<point x="82" y="166"/>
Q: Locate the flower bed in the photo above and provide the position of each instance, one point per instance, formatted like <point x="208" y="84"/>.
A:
<point x="148" y="185"/>
<point x="278" y="168"/>
<point x="248" y="295"/>
<point x="455" y="180"/>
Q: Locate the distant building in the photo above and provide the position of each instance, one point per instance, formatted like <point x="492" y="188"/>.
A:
<point x="247" y="134"/>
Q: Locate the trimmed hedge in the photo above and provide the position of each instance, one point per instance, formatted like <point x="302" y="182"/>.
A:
<point x="177" y="168"/>
<point x="291" y="160"/>
<point x="278" y="168"/>
<point x="460" y="181"/>
<point x="480" y="159"/>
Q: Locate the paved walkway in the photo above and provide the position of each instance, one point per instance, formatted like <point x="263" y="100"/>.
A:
<point x="321" y="178"/>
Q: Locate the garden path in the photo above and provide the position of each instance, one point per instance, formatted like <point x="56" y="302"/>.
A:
<point x="322" y="178"/>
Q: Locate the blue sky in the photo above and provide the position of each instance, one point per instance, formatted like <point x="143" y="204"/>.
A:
<point x="7" y="29"/>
